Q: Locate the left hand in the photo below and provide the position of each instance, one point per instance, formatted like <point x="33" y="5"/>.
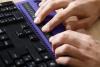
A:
<point x="76" y="49"/>
<point x="87" y="12"/>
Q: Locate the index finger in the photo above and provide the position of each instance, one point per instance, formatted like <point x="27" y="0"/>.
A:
<point x="69" y="37"/>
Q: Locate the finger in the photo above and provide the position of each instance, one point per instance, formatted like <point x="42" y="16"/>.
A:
<point x="48" y="8"/>
<point x="69" y="61"/>
<point x="41" y="7"/>
<point x="59" y="10"/>
<point x="69" y="50"/>
<point x="70" y="20"/>
<point x="87" y="22"/>
<point x="59" y="18"/>
<point x="42" y="2"/>
<point x="83" y="23"/>
<point x="70" y="37"/>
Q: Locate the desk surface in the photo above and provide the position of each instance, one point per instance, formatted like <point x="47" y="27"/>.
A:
<point x="94" y="30"/>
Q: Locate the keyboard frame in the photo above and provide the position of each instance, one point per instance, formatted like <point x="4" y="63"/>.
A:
<point x="34" y="5"/>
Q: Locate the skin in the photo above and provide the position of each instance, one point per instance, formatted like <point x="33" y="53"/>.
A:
<point x="72" y="48"/>
<point x="76" y="49"/>
<point x="87" y="12"/>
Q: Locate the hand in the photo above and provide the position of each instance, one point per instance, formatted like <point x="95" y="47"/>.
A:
<point x="76" y="49"/>
<point x="87" y="12"/>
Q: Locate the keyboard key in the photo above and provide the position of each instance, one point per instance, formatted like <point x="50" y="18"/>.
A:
<point x="28" y="31"/>
<point x="13" y="65"/>
<point x="8" y="43"/>
<point x="12" y="8"/>
<point x="2" y="15"/>
<point x="3" y="37"/>
<point x="27" y="58"/>
<point x="52" y="64"/>
<point x="6" y="58"/>
<point x="20" y="34"/>
<point x="24" y="26"/>
<point x="33" y="37"/>
<point x="2" y="31"/>
<point x="10" y="20"/>
<point x="13" y="54"/>
<point x="36" y="57"/>
<point x="31" y="64"/>
<point x="19" y="62"/>
<point x="46" y="56"/>
<point x="39" y="46"/>
<point x="8" y="14"/>
<point x="42" y="65"/>
<point x="24" y="66"/>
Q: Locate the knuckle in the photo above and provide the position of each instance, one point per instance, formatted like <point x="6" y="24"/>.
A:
<point x="88" y="37"/>
<point x="68" y="32"/>
<point x="66" y="47"/>
<point x="61" y="15"/>
<point x="62" y="36"/>
<point x="51" y="4"/>
<point x="67" y="61"/>
<point x="57" y="51"/>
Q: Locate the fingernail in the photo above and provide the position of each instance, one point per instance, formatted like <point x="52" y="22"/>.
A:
<point x="51" y="38"/>
<point x="68" y="27"/>
<point x="37" y="20"/>
<point x="36" y="12"/>
<point x="45" y="29"/>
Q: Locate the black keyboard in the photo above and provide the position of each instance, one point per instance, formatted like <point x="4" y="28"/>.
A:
<point x="20" y="45"/>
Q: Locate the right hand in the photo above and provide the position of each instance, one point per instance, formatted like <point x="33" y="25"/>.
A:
<point x="76" y="49"/>
<point x="87" y="12"/>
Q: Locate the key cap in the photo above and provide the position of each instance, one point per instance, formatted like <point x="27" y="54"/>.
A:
<point x="13" y="65"/>
<point x="8" y="43"/>
<point x="19" y="62"/>
<point x="13" y="54"/>
<point x="24" y="26"/>
<point x="2" y="31"/>
<point x="20" y="34"/>
<point x="46" y="56"/>
<point x="39" y="46"/>
<point x="52" y="64"/>
<point x="31" y="64"/>
<point x="42" y="65"/>
<point x="28" y="31"/>
<point x="3" y="37"/>
<point x="36" y="57"/>
<point x="33" y="37"/>
<point x="6" y="58"/>
<point x="27" y="58"/>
